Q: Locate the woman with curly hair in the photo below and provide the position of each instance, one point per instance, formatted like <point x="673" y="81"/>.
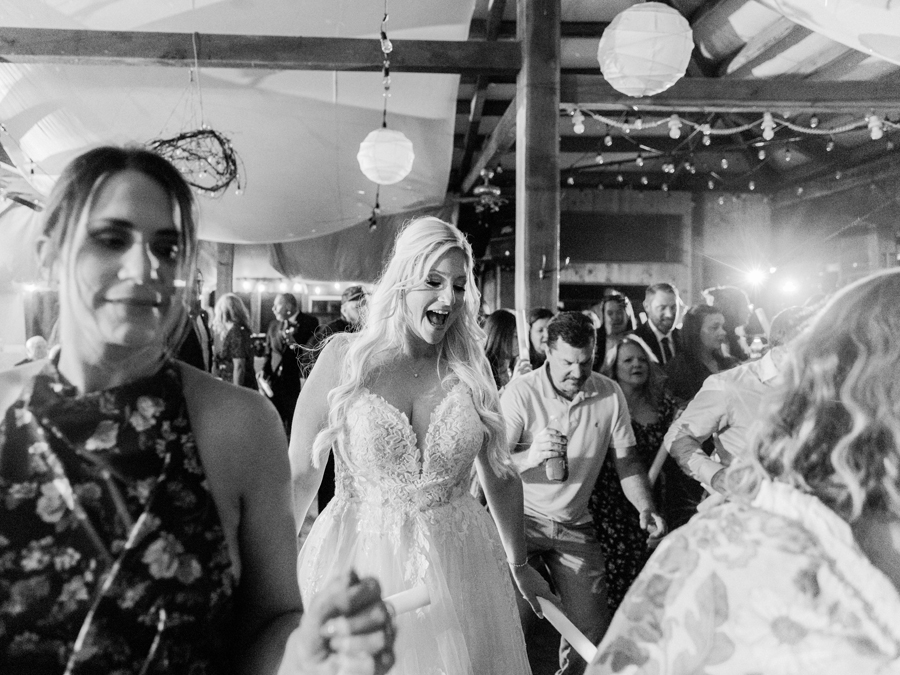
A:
<point x="800" y="571"/>
<point x="408" y="405"/>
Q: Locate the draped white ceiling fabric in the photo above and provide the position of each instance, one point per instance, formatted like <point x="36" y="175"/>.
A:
<point x="297" y="133"/>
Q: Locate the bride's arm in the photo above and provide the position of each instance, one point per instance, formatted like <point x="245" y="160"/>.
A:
<point x="310" y="417"/>
<point x="504" y="497"/>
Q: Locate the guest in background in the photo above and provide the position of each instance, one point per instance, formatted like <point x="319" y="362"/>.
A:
<point x="658" y="331"/>
<point x="699" y="356"/>
<point x="502" y="347"/>
<point x="286" y="335"/>
<point x="734" y="305"/>
<point x="728" y="406"/>
<point x="352" y="300"/>
<point x="800" y="571"/>
<point x="700" y="352"/>
<point x="538" y="318"/>
<point x="616" y="321"/>
<point x="234" y="350"/>
<point x="36" y="348"/>
<point x="652" y="409"/>
<point x="197" y="346"/>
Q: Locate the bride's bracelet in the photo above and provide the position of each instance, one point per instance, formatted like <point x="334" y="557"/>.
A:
<point x="517" y="566"/>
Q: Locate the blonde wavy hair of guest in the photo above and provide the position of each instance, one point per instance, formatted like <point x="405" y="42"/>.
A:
<point x="387" y="325"/>
<point x="834" y="431"/>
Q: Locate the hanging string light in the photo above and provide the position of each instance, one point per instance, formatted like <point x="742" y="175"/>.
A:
<point x="674" y="127"/>
<point x="386" y="155"/>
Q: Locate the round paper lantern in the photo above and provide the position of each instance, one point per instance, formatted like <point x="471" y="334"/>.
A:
<point x="386" y="156"/>
<point x="646" y="49"/>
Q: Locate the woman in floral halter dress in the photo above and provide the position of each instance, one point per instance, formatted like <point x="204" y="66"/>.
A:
<point x="145" y="522"/>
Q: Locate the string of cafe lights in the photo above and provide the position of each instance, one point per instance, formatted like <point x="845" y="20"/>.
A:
<point x="768" y="125"/>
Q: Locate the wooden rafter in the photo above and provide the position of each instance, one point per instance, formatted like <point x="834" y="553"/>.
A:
<point x="778" y="37"/>
<point x="731" y="96"/>
<point x="498" y="143"/>
<point x="272" y="52"/>
<point x="476" y="105"/>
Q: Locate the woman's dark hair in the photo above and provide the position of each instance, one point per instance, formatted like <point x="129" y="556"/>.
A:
<point x="573" y="328"/>
<point x="734" y="305"/>
<point x="500" y="327"/>
<point x="536" y="314"/>
<point x="82" y="179"/>
<point x="691" y="345"/>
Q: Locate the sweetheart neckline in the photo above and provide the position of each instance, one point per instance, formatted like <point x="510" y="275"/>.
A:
<point x="405" y="418"/>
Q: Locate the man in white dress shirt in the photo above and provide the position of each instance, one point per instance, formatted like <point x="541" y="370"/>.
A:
<point x="728" y="407"/>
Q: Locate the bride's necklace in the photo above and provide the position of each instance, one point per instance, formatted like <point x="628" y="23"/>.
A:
<point x="417" y="371"/>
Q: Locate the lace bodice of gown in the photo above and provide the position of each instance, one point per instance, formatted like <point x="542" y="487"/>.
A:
<point x="388" y="469"/>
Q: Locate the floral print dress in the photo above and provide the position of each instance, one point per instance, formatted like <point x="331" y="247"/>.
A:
<point x="776" y="587"/>
<point x="616" y="521"/>
<point x="112" y="555"/>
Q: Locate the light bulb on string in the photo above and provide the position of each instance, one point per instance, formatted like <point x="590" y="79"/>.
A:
<point x="620" y="178"/>
<point x="876" y="127"/>
<point x="829" y="146"/>
<point x="751" y="185"/>
<point x="813" y="122"/>
<point x="787" y="154"/>
<point x="607" y="141"/>
<point x="761" y="154"/>
<point x="599" y="158"/>
<point x="644" y="180"/>
<point x="665" y="187"/>
<point x="768" y="126"/>
<point x="724" y="163"/>
<point x="639" y="160"/>
<point x="674" y="127"/>
<point x="711" y="184"/>
<point x="570" y="180"/>
<point x="578" y="122"/>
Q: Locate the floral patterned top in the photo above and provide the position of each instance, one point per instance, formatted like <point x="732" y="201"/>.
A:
<point x="112" y="555"/>
<point x="237" y="344"/>
<point x="616" y="521"/>
<point x="776" y="587"/>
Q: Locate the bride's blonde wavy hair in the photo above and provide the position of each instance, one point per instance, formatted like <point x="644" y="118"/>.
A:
<point x="834" y="431"/>
<point x="387" y="327"/>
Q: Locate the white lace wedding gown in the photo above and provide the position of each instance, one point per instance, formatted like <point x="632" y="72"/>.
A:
<point x="407" y="518"/>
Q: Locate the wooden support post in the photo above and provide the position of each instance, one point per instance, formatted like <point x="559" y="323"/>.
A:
<point x="224" y="269"/>
<point x="537" y="155"/>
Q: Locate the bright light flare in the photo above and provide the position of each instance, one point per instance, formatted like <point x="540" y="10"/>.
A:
<point x="755" y="277"/>
<point x="789" y="287"/>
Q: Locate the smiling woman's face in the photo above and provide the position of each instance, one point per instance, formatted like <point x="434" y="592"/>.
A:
<point x="124" y="260"/>
<point x="436" y="303"/>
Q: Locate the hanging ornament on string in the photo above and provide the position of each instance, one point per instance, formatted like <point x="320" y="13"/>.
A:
<point x="386" y="155"/>
<point x="203" y="155"/>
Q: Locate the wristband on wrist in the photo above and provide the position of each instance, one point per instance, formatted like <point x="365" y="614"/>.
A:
<point x="517" y="566"/>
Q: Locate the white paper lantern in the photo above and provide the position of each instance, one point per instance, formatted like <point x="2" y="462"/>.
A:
<point x="386" y="156"/>
<point x="646" y="49"/>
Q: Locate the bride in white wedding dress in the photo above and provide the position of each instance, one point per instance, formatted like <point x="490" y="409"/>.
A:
<point x="408" y="405"/>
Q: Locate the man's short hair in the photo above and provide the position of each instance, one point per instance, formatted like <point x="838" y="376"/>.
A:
<point x="289" y="300"/>
<point x="352" y="293"/>
<point x="663" y="286"/>
<point x="573" y="328"/>
<point x="787" y="324"/>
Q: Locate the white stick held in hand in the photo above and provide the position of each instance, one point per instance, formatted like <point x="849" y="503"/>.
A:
<point x="567" y="629"/>
<point x="406" y="601"/>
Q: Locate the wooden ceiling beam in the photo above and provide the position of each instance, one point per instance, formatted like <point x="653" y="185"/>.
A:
<point x="869" y="171"/>
<point x="476" y="104"/>
<point x="267" y="52"/>
<point x="734" y="96"/>
<point x="507" y="29"/>
<point x="781" y="35"/>
<point x="633" y="143"/>
<point x="501" y="140"/>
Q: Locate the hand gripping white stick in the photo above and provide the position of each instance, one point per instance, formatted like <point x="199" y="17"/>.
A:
<point x="406" y="601"/>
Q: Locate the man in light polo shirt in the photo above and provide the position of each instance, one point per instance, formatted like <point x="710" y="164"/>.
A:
<point x="564" y="409"/>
